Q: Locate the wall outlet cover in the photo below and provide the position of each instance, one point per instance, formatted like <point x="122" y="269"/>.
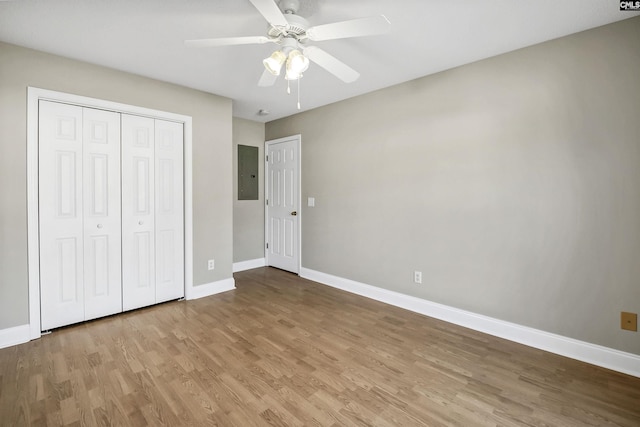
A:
<point x="629" y="321"/>
<point x="417" y="276"/>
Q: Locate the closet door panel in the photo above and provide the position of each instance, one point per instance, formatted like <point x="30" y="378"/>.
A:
<point x="101" y="206"/>
<point x="61" y="211"/>
<point x="138" y="216"/>
<point x="169" y="211"/>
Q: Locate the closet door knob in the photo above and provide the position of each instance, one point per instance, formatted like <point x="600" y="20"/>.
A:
<point x="99" y="225"/>
<point x="140" y="222"/>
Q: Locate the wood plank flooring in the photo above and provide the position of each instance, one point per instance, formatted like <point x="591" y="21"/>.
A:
<point x="285" y="351"/>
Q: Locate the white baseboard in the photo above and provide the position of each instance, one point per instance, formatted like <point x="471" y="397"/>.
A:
<point x="605" y="357"/>
<point x="14" y="336"/>
<point x="212" y="288"/>
<point x="249" y="264"/>
<point x="21" y="334"/>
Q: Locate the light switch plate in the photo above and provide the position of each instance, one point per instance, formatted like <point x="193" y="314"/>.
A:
<point x="311" y="201"/>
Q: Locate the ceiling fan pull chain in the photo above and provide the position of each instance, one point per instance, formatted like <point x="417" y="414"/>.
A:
<point x="299" y="91"/>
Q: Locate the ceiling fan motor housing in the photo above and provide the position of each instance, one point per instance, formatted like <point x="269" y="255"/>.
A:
<point x="296" y="27"/>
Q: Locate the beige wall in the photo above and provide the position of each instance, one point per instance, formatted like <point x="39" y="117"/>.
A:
<point x="248" y="215"/>
<point x="212" y="115"/>
<point x="512" y="183"/>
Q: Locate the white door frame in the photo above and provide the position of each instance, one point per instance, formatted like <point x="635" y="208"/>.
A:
<point x="298" y="141"/>
<point x="33" y="96"/>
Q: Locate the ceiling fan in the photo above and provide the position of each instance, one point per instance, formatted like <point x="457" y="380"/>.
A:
<point x="292" y="33"/>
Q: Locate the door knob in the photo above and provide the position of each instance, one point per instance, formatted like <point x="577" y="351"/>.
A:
<point x="99" y="225"/>
<point x="294" y="213"/>
<point x="140" y="222"/>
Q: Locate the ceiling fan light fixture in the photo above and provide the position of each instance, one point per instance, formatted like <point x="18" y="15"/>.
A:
<point x="273" y="63"/>
<point x="297" y="64"/>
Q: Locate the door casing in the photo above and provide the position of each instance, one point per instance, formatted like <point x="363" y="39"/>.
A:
<point x="34" y="95"/>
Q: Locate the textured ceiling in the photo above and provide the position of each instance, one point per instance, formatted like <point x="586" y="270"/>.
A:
<point x="427" y="36"/>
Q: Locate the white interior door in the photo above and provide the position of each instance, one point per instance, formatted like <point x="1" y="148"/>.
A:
<point x="101" y="213"/>
<point x="75" y="212"/>
<point x="138" y="216"/>
<point x="282" y="220"/>
<point x="61" y="224"/>
<point x="169" y="211"/>
<point x="79" y="173"/>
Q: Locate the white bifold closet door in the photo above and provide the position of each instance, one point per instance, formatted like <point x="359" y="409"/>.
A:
<point x="80" y="229"/>
<point x="152" y="211"/>
<point x="169" y="168"/>
<point x="111" y="212"/>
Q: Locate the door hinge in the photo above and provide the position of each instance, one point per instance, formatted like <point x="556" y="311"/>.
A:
<point x="267" y="202"/>
<point x="267" y="158"/>
<point x="267" y="245"/>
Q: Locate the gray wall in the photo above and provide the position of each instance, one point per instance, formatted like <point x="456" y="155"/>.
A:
<point x="512" y="183"/>
<point x="248" y="215"/>
<point x="212" y="116"/>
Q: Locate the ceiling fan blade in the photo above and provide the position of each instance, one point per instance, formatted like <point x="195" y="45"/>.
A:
<point x="227" y="41"/>
<point x="331" y="64"/>
<point x="267" y="79"/>
<point x="353" y="28"/>
<point x="271" y="12"/>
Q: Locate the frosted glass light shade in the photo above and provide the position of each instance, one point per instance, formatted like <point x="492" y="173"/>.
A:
<point x="273" y="64"/>
<point x="297" y="64"/>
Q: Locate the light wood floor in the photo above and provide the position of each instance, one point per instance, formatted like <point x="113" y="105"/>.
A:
<point x="285" y="351"/>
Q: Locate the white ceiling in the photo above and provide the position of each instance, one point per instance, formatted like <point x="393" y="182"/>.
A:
<point x="427" y="36"/>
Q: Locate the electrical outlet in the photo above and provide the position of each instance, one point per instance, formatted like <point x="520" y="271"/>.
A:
<point x="417" y="277"/>
<point x="629" y="321"/>
<point x="211" y="264"/>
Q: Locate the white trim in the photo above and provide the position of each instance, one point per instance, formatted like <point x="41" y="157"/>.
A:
<point x="605" y="357"/>
<point x="212" y="288"/>
<point x="14" y="336"/>
<point x="249" y="264"/>
<point x="188" y="207"/>
<point x="33" y="96"/>
<point x="33" y="255"/>
<point x="298" y="140"/>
